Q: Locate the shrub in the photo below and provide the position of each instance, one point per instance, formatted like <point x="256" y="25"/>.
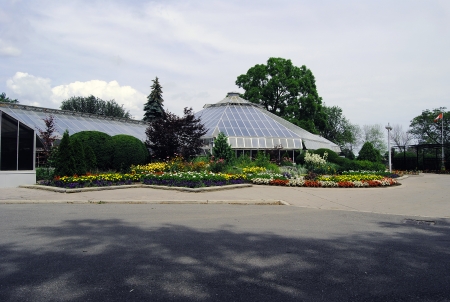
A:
<point x="262" y="159"/>
<point x="127" y="151"/>
<point x="332" y="156"/>
<point x="368" y="152"/>
<point x="64" y="160"/>
<point x="300" y="159"/>
<point x="79" y="157"/>
<point x="101" y="144"/>
<point x="222" y="149"/>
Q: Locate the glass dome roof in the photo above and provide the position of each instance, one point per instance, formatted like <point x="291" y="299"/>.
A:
<point x="249" y="126"/>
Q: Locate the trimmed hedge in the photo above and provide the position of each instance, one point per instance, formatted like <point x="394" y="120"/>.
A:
<point x="127" y="151"/>
<point x="100" y="143"/>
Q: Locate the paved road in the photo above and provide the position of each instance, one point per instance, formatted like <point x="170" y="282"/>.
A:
<point x="427" y="195"/>
<point x="154" y="252"/>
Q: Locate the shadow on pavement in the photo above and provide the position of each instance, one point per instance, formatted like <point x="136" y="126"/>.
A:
<point x="104" y="260"/>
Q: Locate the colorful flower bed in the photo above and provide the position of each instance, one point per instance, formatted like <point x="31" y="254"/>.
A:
<point x="192" y="179"/>
<point x="93" y="180"/>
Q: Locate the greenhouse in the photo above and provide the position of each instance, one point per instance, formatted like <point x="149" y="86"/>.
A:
<point x="249" y="127"/>
<point x="19" y="141"/>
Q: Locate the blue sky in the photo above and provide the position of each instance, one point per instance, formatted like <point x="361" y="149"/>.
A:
<point x="380" y="61"/>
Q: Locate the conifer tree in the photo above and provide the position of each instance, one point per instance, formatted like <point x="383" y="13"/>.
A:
<point x="154" y="107"/>
<point x="65" y="163"/>
<point x="222" y="149"/>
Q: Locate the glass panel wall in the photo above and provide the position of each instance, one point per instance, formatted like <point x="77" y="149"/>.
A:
<point x="8" y="150"/>
<point x="26" y="148"/>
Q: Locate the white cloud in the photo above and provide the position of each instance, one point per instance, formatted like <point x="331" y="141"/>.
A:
<point x="30" y="89"/>
<point x="37" y="91"/>
<point x="131" y="99"/>
<point x="8" y="50"/>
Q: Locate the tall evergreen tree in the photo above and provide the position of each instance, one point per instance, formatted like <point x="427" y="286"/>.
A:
<point x="154" y="107"/>
<point x="222" y="148"/>
<point x="65" y="164"/>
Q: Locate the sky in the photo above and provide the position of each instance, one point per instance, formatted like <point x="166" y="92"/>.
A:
<point x="380" y="61"/>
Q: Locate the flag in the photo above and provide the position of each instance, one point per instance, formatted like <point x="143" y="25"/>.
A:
<point x="439" y="117"/>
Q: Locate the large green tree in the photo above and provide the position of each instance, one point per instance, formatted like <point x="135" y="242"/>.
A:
<point x="92" y="104"/>
<point x="285" y="90"/>
<point x="338" y="128"/>
<point x="5" y="99"/>
<point x="374" y="134"/>
<point x="425" y="130"/>
<point x="153" y="109"/>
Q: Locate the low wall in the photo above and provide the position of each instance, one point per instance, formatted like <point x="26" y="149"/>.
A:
<point x="10" y="179"/>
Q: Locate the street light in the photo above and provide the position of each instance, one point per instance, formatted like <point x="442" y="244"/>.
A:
<point x="389" y="128"/>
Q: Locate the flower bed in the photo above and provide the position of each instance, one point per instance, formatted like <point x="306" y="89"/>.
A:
<point x="192" y="179"/>
<point x="92" y="180"/>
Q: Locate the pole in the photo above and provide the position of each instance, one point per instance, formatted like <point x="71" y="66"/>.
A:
<point x="442" y="141"/>
<point x="389" y="128"/>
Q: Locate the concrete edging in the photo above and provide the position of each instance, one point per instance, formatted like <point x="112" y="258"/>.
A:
<point x="90" y="189"/>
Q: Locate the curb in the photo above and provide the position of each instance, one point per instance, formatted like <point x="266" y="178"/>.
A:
<point x="90" y="189"/>
<point x="231" y="202"/>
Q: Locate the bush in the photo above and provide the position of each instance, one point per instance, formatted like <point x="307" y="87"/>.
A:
<point x="300" y="159"/>
<point x="262" y="159"/>
<point x="222" y="150"/>
<point x="368" y="152"/>
<point x="101" y="144"/>
<point x="44" y="173"/>
<point x="332" y="156"/>
<point x="79" y="157"/>
<point x="127" y="151"/>
<point x="64" y="161"/>
<point x="358" y="165"/>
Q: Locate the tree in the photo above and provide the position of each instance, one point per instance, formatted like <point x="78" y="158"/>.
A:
<point x="222" y="149"/>
<point x="425" y="130"/>
<point x="375" y="135"/>
<point x="285" y="90"/>
<point x="173" y="135"/>
<point x="47" y="136"/>
<point x="338" y="129"/>
<point x="65" y="163"/>
<point x="94" y="105"/>
<point x="368" y="152"/>
<point x="154" y="107"/>
<point x="5" y="99"/>
<point x="400" y="137"/>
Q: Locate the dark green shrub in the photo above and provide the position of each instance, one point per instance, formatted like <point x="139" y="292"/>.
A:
<point x="64" y="160"/>
<point x="332" y="156"/>
<point x="262" y="159"/>
<point x="300" y="159"/>
<point x="44" y="173"/>
<point x="368" y="152"/>
<point x="79" y="157"/>
<point x="405" y="154"/>
<point x="127" y="151"/>
<point x="222" y="150"/>
<point x="101" y="144"/>
<point x="90" y="158"/>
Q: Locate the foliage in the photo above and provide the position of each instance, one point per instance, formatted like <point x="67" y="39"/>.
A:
<point x="222" y="149"/>
<point x="175" y="135"/>
<point x="47" y="136"/>
<point x="127" y="151"/>
<point x="375" y="135"/>
<point x="331" y="155"/>
<point x="368" y="152"/>
<point x="153" y="108"/>
<point x="191" y="179"/>
<point x="44" y="173"/>
<point x="338" y="128"/>
<point x="64" y="160"/>
<point x="94" y="105"/>
<point x="5" y="99"/>
<point x="90" y="158"/>
<point x="101" y="145"/>
<point x="426" y="131"/>
<point x="285" y="90"/>
<point x="262" y="160"/>
<point x="79" y="157"/>
<point x="217" y="165"/>
<point x="315" y="162"/>
<point x="405" y="154"/>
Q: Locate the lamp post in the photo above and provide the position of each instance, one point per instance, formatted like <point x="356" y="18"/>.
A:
<point x="389" y="128"/>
